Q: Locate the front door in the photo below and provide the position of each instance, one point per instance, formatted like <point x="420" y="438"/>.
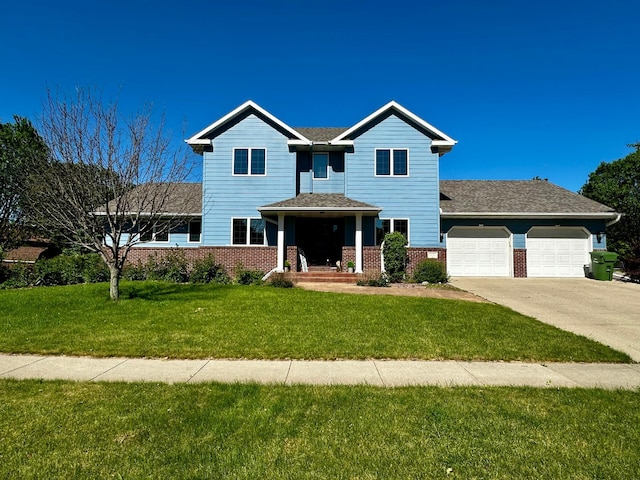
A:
<point x="321" y="239"/>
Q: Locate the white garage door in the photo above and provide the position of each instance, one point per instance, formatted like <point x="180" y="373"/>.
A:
<point x="479" y="252"/>
<point x="557" y="252"/>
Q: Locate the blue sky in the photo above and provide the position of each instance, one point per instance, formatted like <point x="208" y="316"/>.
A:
<point x="546" y="88"/>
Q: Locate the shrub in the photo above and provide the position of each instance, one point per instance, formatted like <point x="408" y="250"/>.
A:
<point x="369" y="280"/>
<point x="431" y="271"/>
<point x="632" y="263"/>
<point x="280" y="280"/>
<point x="171" y="266"/>
<point x="394" y="251"/>
<point x="248" y="277"/>
<point x="208" y="271"/>
<point x="18" y="275"/>
<point x="134" y="272"/>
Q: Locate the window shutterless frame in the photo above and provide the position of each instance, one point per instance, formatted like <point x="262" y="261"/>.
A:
<point x="247" y="231"/>
<point x="391" y="162"/>
<point x="249" y="161"/>
<point x="320" y="166"/>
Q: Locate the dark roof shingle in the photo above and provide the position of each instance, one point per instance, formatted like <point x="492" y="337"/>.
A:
<point x="320" y="134"/>
<point x="330" y="201"/>
<point x="513" y="196"/>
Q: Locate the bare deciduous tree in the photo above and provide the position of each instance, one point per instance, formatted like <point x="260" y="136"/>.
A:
<point x="111" y="181"/>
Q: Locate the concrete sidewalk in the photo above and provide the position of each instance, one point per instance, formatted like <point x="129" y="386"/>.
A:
<point x="383" y="373"/>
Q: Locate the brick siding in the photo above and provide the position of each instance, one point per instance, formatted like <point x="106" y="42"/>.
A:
<point x="519" y="262"/>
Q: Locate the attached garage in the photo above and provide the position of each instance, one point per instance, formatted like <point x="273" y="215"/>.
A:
<point x="557" y="251"/>
<point x="479" y="252"/>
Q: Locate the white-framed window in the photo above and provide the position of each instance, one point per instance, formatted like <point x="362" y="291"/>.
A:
<point x="249" y="161"/>
<point x="387" y="225"/>
<point x="159" y="233"/>
<point x="195" y="231"/>
<point x="247" y="231"/>
<point x="320" y="166"/>
<point x="391" y="162"/>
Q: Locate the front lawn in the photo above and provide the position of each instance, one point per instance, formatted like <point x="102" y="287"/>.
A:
<point x="206" y="321"/>
<point x="61" y="430"/>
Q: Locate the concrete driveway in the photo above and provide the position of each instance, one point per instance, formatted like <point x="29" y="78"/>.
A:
<point x="608" y="312"/>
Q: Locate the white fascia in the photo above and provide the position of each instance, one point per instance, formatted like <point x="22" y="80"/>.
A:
<point x="445" y="140"/>
<point x="198" y="140"/>
<point x="602" y="215"/>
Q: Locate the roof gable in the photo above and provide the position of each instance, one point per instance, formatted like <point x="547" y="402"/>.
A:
<point x="204" y="137"/>
<point x="439" y="138"/>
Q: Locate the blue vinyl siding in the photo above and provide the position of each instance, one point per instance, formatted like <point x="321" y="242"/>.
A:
<point x="227" y="196"/>
<point x="334" y="183"/>
<point x="415" y="196"/>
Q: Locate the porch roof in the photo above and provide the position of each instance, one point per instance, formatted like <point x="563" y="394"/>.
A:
<point x="319" y="203"/>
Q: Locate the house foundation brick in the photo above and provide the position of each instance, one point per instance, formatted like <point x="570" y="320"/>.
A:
<point x="251" y="258"/>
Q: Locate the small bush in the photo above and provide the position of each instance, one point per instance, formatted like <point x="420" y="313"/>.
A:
<point x="134" y="272"/>
<point x="18" y="275"/>
<point x="280" y="280"/>
<point x="208" y="271"/>
<point x="248" y="277"/>
<point x="431" y="271"/>
<point x="369" y="280"/>
<point x="171" y="266"/>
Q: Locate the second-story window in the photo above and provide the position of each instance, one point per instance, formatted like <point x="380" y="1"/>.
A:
<point x="249" y="161"/>
<point x="392" y="162"/>
<point x="320" y="165"/>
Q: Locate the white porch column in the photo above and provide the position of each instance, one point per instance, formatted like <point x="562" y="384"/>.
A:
<point x="281" y="246"/>
<point x="358" y="243"/>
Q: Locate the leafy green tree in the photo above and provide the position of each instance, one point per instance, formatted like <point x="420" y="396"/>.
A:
<point x="617" y="184"/>
<point x="21" y="147"/>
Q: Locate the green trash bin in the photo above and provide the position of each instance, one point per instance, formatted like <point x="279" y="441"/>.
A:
<point x="602" y="264"/>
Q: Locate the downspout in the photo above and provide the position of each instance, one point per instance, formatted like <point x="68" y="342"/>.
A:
<point x="614" y="221"/>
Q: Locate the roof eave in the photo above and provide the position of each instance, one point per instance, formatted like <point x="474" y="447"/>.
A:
<point x="394" y="105"/>
<point x="197" y="139"/>
<point x="592" y="215"/>
<point x="284" y="210"/>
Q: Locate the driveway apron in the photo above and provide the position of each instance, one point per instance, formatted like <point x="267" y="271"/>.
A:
<point x="608" y="312"/>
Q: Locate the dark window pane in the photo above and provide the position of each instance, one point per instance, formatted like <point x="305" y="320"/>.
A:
<point x="320" y="163"/>
<point x="257" y="161"/>
<point x="146" y="236"/>
<point x="382" y="228"/>
<point x="257" y="232"/>
<point x="239" y="231"/>
<point x="399" y="162"/>
<point x="401" y="226"/>
<point x="241" y="161"/>
<point x="161" y="233"/>
<point x="195" y="229"/>
<point x="383" y="162"/>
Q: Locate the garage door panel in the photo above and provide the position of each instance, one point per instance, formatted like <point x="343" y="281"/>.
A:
<point x="557" y="252"/>
<point x="477" y="252"/>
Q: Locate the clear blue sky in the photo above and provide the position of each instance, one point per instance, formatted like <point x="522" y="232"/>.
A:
<point x="547" y="88"/>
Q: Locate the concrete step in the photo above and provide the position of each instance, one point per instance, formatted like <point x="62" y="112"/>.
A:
<point x="324" y="277"/>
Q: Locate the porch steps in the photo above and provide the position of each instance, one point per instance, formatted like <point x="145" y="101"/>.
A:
<point x="315" y="276"/>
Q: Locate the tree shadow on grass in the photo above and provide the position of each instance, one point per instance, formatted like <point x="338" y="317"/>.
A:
<point x="155" y="291"/>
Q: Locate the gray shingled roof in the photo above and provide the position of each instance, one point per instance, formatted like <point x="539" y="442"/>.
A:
<point x="182" y="198"/>
<point x="320" y="134"/>
<point x="514" y="196"/>
<point x="316" y="201"/>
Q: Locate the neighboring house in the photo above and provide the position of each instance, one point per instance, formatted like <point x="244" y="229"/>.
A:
<point x="272" y="193"/>
<point x="31" y="251"/>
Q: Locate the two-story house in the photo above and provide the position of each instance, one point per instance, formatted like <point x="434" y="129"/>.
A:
<point x="272" y="193"/>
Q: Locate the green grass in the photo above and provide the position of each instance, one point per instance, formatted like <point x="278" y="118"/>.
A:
<point x="203" y="321"/>
<point x="61" y="430"/>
